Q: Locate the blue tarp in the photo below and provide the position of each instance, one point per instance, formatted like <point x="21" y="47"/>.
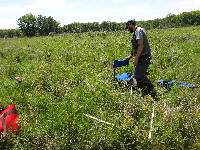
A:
<point x="169" y="84"/>
<point x="123" y="77"/>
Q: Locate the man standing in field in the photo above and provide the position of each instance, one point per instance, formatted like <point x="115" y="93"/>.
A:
<point x="142" y="52"/>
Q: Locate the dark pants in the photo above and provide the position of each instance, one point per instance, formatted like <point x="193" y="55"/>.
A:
<point x="141" y="76"/>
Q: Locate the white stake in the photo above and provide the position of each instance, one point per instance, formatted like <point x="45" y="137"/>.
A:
<point x="151" y="123"/>
<point x="99" y="120"/>
<point x="131" y="90"/>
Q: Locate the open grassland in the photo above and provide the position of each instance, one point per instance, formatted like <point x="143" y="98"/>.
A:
<point x="64" y="77"/>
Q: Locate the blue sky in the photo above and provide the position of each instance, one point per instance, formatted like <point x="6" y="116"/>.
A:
<point x="69" y="11"/>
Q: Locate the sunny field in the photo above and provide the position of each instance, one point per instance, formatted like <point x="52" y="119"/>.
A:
<point x="68" y="77"/>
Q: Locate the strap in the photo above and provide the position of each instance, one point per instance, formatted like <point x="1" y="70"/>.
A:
<point x="12" y="111"/>
<point x="2" y="118"/>
<point x="4" y="126"/>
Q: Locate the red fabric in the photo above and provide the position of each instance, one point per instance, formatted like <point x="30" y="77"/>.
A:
<point x="11" y="119"/>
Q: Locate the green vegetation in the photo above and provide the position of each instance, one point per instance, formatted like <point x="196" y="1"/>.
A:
<point x="65" y="77"/>
<point x="10" y="33"/>
<point x="31" y="25"/>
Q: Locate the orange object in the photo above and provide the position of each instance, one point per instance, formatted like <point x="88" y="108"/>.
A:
<point x="9" y="120"/>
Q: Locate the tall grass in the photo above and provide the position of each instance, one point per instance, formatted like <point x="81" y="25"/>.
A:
<point x="65" y="77"/>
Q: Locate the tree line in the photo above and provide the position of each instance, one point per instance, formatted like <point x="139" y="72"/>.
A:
<point x="30" y="25"/>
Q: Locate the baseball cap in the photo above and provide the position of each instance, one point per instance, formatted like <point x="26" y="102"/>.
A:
<point x="133" y="22"/>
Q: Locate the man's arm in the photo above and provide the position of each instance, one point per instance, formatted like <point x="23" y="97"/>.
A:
<point x="139" y="51"/>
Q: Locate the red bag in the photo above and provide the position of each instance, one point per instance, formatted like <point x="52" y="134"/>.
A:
<point x="9" y="120"/>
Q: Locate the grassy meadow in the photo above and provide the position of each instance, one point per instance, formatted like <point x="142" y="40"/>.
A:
<point x="67" y="77"/>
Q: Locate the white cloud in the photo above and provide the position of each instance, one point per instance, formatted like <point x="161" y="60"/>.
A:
<point x="188" y="5"/>
<point x="8" y="24"/>
<point x="9" y="16"/>
<point x="119" y="1"/>
<point x="117" y="13"/>
<point x="10" y="10"/>
<point x="52" y="5"/>
<point x="77" y="11"/>
<point x="138" y="8"/>
<point x="179" y="6"/>
<point x="54" y="8"/>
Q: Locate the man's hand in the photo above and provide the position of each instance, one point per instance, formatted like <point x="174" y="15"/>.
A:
<point x="129" y="57"/>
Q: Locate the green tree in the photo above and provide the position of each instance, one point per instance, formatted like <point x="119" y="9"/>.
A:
<point x="42" y="25"/>
<point x="105" y="26"/>
<point x="52" y="25"/>
<point x="46" y="25"/>
<point x="27" y="24"/>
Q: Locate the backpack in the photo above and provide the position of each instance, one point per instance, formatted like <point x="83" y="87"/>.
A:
<point x="9" y="119"/>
